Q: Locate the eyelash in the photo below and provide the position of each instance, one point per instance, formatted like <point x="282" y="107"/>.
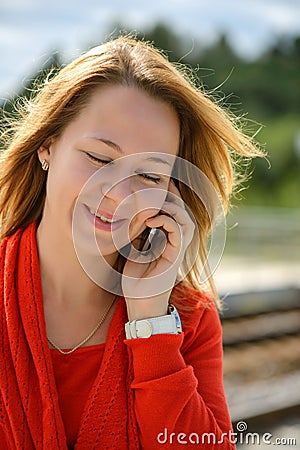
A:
<point x="150" y="178"/>
<point x="98" y="160"/>
<point x="155" y="180"/>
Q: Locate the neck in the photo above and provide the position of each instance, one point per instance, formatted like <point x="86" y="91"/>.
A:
<point x="63" y="278"/>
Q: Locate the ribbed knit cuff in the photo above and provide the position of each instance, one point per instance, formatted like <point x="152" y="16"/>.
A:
<point x="157" y="356"/>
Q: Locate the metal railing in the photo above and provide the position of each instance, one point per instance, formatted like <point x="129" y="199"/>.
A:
<point x="264" y="233"/>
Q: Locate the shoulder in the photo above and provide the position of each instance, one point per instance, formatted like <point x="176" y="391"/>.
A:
<point x="191" y="303"/>
<point x="9" y="241"/>
<point x="12" y="240"/>
<point x="11" y="252"/>
<point x="8" y="251"/>
<point x="199" y="315"/>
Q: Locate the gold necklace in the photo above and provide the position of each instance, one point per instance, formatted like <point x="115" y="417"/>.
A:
<point x="67" y="352"/>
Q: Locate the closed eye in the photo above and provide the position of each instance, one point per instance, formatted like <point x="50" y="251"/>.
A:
<point x="147" y="176"/>
<point x="150" y="177"/>
<point x="98" y="160"/>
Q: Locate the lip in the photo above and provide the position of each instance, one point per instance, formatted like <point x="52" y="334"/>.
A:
<point x="108" y="215"/>
<point x="99" y="224"/>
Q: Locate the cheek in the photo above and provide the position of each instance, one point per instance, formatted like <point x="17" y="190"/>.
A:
<point x="148" y="205"/>
<point x="79" y="177"/>
<point x="68" y="176"/>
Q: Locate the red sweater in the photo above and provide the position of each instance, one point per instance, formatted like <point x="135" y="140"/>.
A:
<point x="75" y="375"/>
<point x="161" y="392"/>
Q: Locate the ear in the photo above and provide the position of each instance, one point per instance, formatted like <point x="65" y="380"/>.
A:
<point x="45" y="150"/>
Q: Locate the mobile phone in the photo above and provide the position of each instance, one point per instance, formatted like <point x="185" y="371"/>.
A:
<point x="147" y="243"/>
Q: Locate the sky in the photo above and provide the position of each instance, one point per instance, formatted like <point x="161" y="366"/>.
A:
<point x="31" y="29"/>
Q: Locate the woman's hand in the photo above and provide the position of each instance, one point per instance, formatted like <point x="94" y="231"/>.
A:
<point x="149" y="284"/>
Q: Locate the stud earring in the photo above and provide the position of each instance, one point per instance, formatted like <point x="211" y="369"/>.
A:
<point x="45" y="165"/>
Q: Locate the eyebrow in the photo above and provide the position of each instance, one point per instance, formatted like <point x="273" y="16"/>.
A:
<point x="119" y="150"/>
<point x="109" y="143"/>
<point x="158" y="160"/>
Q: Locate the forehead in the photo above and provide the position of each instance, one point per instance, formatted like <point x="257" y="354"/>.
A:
<point x="129" y="118"/>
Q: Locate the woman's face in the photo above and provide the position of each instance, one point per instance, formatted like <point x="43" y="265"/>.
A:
<point x="119" y="125"/>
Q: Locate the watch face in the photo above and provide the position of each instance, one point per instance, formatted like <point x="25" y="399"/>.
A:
<point x="178" y="324"/>
<point x="174" y="312"/>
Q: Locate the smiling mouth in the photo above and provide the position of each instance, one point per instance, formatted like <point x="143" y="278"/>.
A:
<point x="103" y="218"/>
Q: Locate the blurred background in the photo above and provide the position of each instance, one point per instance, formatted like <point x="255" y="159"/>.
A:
<point x="247" y="54"/>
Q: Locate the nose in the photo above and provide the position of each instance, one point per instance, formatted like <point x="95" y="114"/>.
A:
<point x="117" y="189"/>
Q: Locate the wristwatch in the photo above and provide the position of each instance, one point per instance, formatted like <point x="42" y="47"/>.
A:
<point x="144" y="328"/>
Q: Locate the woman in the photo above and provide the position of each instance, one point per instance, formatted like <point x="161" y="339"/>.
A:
<point x="124" y="362"/>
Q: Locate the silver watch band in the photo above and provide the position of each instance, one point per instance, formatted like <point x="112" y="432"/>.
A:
<point x="144" y="328"/>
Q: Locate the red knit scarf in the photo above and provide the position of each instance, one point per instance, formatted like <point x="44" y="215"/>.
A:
<point x="29" y="410"/>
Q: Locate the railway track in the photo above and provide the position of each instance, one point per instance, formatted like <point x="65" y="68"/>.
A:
<point x="261" y="337"/>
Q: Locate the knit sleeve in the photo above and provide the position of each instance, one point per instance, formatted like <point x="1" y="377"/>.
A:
<point x="3" y="439"/>
<point x="178" y="387"/>
<point x="3" y="435"/>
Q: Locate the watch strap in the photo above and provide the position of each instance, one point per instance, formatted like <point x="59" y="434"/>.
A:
<point x="144" y="328"/>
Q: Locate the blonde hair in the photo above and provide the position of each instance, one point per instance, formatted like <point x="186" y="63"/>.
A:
<point x="210" y="137"/>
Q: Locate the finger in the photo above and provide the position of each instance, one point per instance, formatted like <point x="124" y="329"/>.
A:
<point x="181" y="215"/>
<point x="182" y="218"/>
<point x="177" y="243"/>
<point x="173" y="229"/>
